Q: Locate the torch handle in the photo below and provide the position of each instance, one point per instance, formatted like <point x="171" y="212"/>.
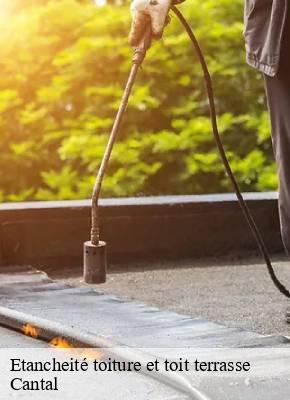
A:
<point x="145" y="41"/>
<point x="142" y="47"/>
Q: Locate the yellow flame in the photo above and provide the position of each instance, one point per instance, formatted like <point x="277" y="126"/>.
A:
<point x="30" y="330"/>
<point x="90" y="354"/>
<point x="61" y="343"/>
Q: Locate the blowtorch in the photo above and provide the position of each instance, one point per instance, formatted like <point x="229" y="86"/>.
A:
<point x="95" y="254"/>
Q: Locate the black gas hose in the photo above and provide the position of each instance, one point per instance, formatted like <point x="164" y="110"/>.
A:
<point x="138" y="58"/>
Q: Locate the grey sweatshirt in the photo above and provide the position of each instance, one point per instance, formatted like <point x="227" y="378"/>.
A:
<point x="264" y="25"/>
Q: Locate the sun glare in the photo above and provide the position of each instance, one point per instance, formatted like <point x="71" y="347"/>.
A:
<point x="100" y="3"/>
<point x="4" y="8"/>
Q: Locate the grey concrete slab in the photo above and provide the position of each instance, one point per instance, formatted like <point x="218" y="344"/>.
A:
<point x="140" y="201"/>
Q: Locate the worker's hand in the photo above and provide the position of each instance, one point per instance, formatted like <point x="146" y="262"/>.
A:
<point x="144" y="12"/>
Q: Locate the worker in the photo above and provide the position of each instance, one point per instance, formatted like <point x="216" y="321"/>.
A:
<point x="267" y="37"/>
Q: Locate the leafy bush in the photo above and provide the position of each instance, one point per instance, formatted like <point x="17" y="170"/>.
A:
<point x="63" y="65"/>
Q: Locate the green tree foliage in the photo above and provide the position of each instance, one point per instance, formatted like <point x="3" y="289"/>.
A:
<point x="63" y="65"/>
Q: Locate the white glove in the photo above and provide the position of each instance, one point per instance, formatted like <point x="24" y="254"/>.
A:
<point x="145" y="12"/>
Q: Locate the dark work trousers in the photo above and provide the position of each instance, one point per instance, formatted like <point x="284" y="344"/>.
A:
<point x="278" y="96"/>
